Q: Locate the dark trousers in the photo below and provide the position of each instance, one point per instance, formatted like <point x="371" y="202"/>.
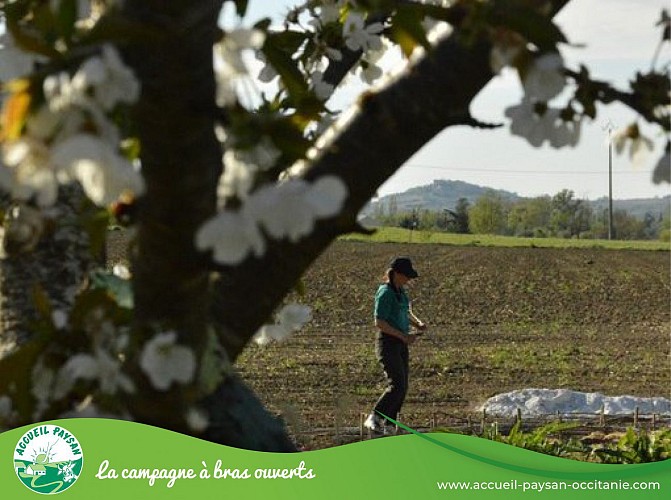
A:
<point x="392" y="354"/>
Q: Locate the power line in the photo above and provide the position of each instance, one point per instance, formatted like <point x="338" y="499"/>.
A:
<point x="506" y="171"/>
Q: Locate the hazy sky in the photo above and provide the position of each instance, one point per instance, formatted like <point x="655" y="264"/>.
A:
<point x="620" y="38"/>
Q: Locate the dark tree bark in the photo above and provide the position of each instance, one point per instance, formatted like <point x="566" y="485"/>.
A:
<point x="58" y="265"/>
<point x="181" y="162"/>
<point x="392" y="125"/>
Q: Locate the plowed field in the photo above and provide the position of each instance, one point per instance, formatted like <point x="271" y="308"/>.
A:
<point x="500" y="319"/>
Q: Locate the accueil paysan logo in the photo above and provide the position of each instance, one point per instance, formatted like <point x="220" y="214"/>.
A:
<point x="48" y="459"/>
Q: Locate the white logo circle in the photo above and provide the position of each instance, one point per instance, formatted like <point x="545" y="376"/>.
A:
<point x="48" y="459"/>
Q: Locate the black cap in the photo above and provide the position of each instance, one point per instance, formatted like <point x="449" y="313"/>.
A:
<point x="404" y="266"/>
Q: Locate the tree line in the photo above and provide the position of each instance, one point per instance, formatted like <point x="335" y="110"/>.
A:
<point x="562" y="215"/>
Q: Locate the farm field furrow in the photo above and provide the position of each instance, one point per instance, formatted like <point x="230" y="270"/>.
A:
<point x="500" y="319"/>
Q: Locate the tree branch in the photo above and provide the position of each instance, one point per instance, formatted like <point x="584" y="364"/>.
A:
<point x="607" y="94"/>
<point x="391" y="126"/>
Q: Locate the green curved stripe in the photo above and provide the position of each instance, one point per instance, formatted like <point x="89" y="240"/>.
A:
<point x="623" y="471"/>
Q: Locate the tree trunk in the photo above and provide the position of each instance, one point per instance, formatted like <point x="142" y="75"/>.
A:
<point x="57" y="266"/>
<point x="181" y="163"/>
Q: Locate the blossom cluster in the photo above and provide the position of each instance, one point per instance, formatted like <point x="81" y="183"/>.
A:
<point x="533" y="118"/>
<point x="241" y="166"/>
<point x="165" y="362"/>
<point x="336" y="26"/>
<point x="100" y="368"/>
<point x="102" y="372"/>
<point x="231" y="70"/>
<point x="639" y="148"/>
<point x="290" y="318"/>
<point x="70" y="137"/>
<point x="288" y="209"/>
<point x="538" y="127"/>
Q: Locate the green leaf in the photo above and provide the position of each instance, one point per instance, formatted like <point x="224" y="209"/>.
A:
<point x="30" y="42"/>
<point x="285" y="66"/>
<point x="119" y="289"/>
<point x="287" y="41"/>
<point x="131" y="148"/>
<point x="532" y="25"/>
<point x="263" y="24"/>
<point x="241" y="7"/>
<point x="66" y="18"/>
<point x="288" y="137"/>
<point x="407" y="29"/>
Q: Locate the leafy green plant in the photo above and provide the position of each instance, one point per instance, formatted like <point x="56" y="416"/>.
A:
<point x="547" y="439"/>
<point x="637" y="447"/>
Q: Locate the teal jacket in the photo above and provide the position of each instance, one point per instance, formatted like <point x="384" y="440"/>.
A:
<point x="393" y="307"/>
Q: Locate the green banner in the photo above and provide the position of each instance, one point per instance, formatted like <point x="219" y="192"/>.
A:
<point x="109" y="459"/>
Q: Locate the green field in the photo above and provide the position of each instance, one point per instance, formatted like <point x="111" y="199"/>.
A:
<point x="400" y="235"/>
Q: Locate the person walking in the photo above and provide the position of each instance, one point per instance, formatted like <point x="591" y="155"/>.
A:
<point x="393" y="318"/>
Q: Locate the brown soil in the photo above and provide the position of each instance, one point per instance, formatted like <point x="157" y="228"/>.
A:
<point x="500" y="319"/>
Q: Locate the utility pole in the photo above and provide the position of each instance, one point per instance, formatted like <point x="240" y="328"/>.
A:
<point x="609" y="126"/>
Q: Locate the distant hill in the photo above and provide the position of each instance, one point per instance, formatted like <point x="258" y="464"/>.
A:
<point x="438" y="195"/>
<point x="441" y="194"/>
<point x="636" y="207"/>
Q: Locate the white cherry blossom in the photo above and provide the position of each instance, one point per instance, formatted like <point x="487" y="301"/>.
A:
<point x="326" y="196"/>
<point x="100" y="367"/>
<point x="232" y="236"/>
<point x="263" y="155"/>
<point x="230" y="50"/>
<point x="329" y="11"/>
<point x="294" y="316"/>
<point x="291" y="318"/>
<point x="121" y="271"/>
<point x="236" y="179"/>
<point x="197" y="419"/>
<point x="267" y="333"/>
<point x="369" y="72"/>
<point x="565" y="133"/>
<point x="164" y="361"/>
<point x="640" y="146"/>
<point x="59" y="318"/>
<point x="285" y="210"/>
<point x="322" y="89"/>
<point x="358" y="36"/>
<point x="100" y="82"/>
<point x="537" y="128"/>
<point x="282" y="211"/>
<point x="28" y="173"/>
<point x="640" y="150"/>
<point x="103" y="173"/>
<point x="544" y="79"/>
<point x="242" y="165"/>
<point x="108" y="78"/>
<point x="333" y="54"/>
